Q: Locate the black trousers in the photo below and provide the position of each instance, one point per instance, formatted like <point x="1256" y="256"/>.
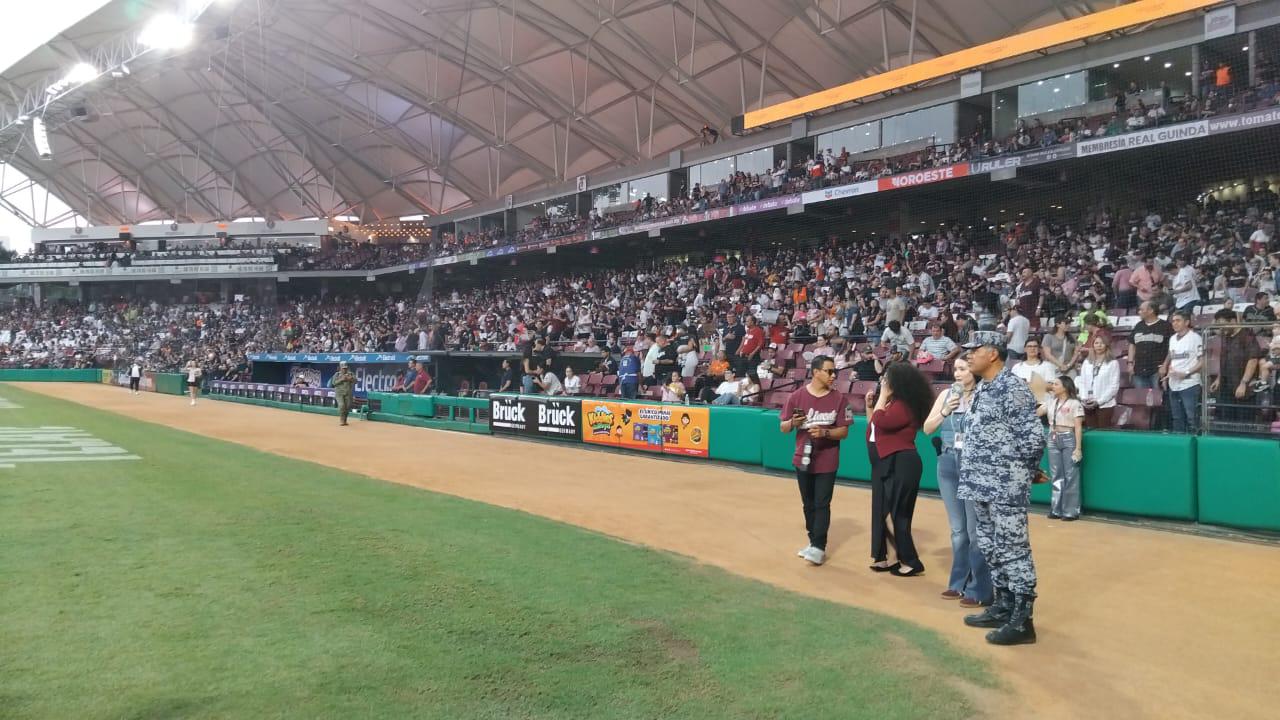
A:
<point x="895" y="484"/>
<point x="816" y="490"/>
<point x="133" y="383"/>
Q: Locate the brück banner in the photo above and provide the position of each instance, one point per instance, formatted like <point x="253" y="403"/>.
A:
<point x="559" y="418"/>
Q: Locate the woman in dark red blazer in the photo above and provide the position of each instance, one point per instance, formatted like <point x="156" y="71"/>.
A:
<point x="893" y="419"/>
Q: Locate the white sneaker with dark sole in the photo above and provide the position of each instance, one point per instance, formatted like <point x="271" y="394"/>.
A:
<point x="815" y="556"/>
<point x="802" y="551"/>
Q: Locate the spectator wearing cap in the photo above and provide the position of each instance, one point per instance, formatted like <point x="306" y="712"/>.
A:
<point x="1181" y="373"/>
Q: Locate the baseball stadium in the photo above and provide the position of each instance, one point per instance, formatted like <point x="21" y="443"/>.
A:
<point x="640" y="359"/>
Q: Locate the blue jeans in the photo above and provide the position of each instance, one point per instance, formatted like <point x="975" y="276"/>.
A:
<point x="526" y="384"/>
<point x="1146" y="382"/>
<point x="1186" y="409"/>
<point x="629" y="390"/>
<point x="969" y="573"/>
<point x="728" y="399"/>
<point x="1065" y="501"/>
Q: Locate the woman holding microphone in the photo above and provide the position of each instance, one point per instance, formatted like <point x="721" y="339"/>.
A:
<point x="970" y="580"/>
<point x="893" y="419"/>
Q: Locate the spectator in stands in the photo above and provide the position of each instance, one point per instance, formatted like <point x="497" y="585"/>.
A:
<point x="507" y="382"/>
<point x="572" y="382"/>
<point x="1059" y="346"/>
<point x="1182" y="373"/>
<point x="1148" y="346"/>
<point x="1260" y="311"/>
<point x="752" y="343"/>
<point x="674" y="390"/>
<point x="607" y="365"/>
<point x="1017" y="330"/>
<point x="868" y="367"/>
<point x="939" y="345"/>
<point x="1146" y="279"/>
<point x="1238" y="366"/>
<point x="533" y="359"/>
<point x="897" y="338"/>
<point x="1099" y="384"/>
<point x="628" y="374"/>
<point x="422" y="381"/>
<point x="729" y="392"/>
<point x="1065" y="415"/>
<point x="769" y="367"/>
<point x="1037" y="372"/>
<point x="894" y="416"/>
<point x="410" y="376"/>
<point x="970" y="579"/>
<point x="687" y="360"/>
<point x="548" y="383"/>
<point x="1186" y="293"/>
<point x="731" y="336"/>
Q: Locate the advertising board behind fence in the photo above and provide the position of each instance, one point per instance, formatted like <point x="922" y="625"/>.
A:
<point x="672" y="429"/>
<point x="546" y="417"/>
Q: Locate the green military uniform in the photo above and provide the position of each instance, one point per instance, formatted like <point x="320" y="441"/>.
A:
<point x="344" y="382"/>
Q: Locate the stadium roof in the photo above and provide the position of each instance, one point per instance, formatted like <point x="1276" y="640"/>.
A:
<point x="384" y="108"/>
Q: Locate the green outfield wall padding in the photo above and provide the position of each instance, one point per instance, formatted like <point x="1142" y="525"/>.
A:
<point x="1239" y="482"/>
<point x="477" y="428"/>
<point x="170" y="383"/>
<point x="776" y="449"/>
<point x="420" y="405"/>
<point x="735" y="433"/>
<point x="90" y="375"/>
<point x="1139" y="473"/>
<point x="388" y="402"/>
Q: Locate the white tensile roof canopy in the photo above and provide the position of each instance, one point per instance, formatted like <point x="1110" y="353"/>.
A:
<point x="385" y="108"/>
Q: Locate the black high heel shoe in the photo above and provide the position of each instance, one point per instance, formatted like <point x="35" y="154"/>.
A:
<point x="897" y="571"/>
<point x="885" y="568"/>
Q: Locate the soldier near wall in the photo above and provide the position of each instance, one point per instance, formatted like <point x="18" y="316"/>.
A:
<point x="344" y="383"/>
<point x="1001" y="456"/>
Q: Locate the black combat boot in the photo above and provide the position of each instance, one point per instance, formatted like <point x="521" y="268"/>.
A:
<point x="1019" y="630"/>
<point x="996" y="614"/>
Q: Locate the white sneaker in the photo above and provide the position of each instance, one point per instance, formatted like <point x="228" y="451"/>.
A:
<point x="815" y="556"/>
<point x="193" y="403"/>
<point x="803" y="551"/>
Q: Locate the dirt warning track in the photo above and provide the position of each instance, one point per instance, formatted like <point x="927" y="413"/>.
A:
<point x="1133" y="622"/>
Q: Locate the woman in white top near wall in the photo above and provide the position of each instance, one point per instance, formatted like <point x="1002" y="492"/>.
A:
<point x="1035" y="371"/>
<point x="1066" y="447"/>
<point x="1099" y="383"/>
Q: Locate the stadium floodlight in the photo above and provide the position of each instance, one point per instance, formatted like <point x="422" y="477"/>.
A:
<point x="41" y="136"/>
<point x="167" y="32"/>
<point x="80" y="74"/>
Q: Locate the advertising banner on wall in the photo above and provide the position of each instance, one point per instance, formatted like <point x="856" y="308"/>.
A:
<point x="672" y="429"/>
<point x="558" y="418"/>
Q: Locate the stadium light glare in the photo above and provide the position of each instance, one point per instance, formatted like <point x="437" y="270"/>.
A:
<point x="1168" y="65"/>
<point x="1115" y="65"/>
<point x="1146" y="58"/>
<point x="80" y="74"/>
<point x="166" y="32"/>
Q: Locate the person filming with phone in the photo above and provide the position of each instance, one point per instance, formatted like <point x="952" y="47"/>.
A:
<point x="818" y="415"/>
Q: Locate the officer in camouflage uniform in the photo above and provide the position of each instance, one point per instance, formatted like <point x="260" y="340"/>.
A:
<point x="1002" y="450"/>
<point x="344" y="382"/>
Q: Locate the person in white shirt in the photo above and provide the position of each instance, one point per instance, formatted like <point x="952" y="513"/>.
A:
<point x="1099" y="384"/>
<point x="938" y="345"/>
<point x="1185" y="292"/>
<point x="1035" y="371"/>
<point x="729" y="392"/>
<point x="193" y="373"/>
<point x="1181" y="373"/>
<point x="550" y="384"/>
<point x="572" y="382"/>
<point x="688" y="359"/>
<point x="1017" y="330"/>
<point x="897" y="336"/>
<point x="135" y="376"/>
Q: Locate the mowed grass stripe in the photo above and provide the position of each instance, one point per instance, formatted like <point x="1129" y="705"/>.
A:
<point x="213" y="581"/>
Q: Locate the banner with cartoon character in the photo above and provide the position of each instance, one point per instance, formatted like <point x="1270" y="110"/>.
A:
<point x="673" y="429"/>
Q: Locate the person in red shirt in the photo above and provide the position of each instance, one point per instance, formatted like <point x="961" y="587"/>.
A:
<point x="752" y="343"/>
<point x="893" y="419"/>
<point x="421" y="382"/>
<point x="819" y="415"/>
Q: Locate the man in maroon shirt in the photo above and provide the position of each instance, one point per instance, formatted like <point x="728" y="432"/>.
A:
<point x="819" y="414"/>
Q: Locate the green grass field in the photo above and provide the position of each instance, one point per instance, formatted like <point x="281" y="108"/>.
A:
<point x="207" y="580"/>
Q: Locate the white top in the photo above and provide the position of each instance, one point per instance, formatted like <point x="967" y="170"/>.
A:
<point x="135" y="370"/>
<point x="1063" y="413"/>
<point x="573" y="385"/>
<point x="650" y="362"/>
<point x="552" y="384"/>
<point x="1099" y="383"/>
<point x="1186" y="278"/>
<point x="1044" y="369"/>
<point x="193" y="374"/>
<point x="1184" y="353"/>
<point x="1019" y="329"/>
<point x="729" y="387"/>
